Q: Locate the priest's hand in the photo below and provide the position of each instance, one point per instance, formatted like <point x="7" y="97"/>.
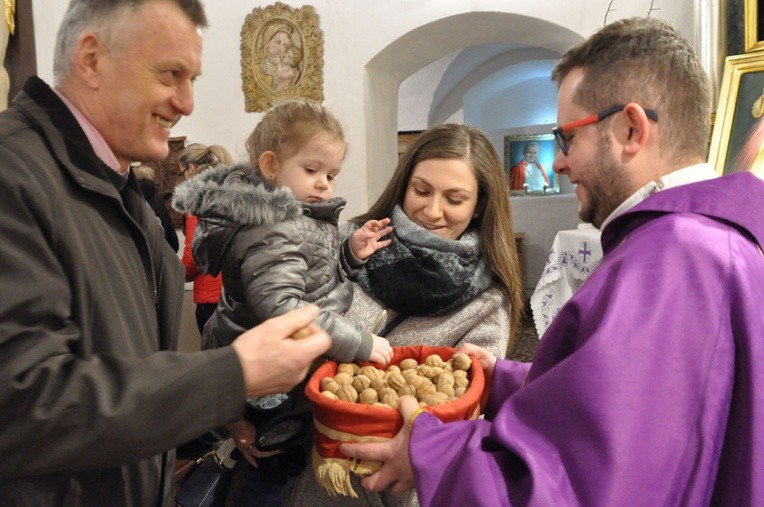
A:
<point x="395" y="472"/>
<point x="487" y="360"/>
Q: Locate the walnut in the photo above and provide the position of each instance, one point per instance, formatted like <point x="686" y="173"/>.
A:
<point x="393" y="368"/>
<point x="391" y="399"/>
<point x="385" y="391"/>
<point x="329" y="384"/>
<point x="346" y="392"/>
<point x="350" y="368"/>
<point x="409" y="374"/>
<point x="462" y="362"/>
<point x="368" y="396"/>
<point x="423" y="389"/>
<point x="361" y="382"/>
<point x="371" y="372"/>
<point x="301" y="333"/>
<point x="461" y="382"/>
<point x="434" y="360"/>
<point x="445" y="378"/>
<point x="459" y="391"/>
<point x="418" y="381"/>
<point x="329" y="395"/>
<point x="446" y="389"/>
<point x="343" y="378"/>
<point x="459" y="373"/>
<point x="407" y="390"/>
<point x="396" y="380"/>
<point x="434" y="399"/>
<point x="378" y="383"/>
<point x="325" y="381"/>
<point x="407" y="364"/>
<point x="436" y="378"/>
<point x="430" y="371"/>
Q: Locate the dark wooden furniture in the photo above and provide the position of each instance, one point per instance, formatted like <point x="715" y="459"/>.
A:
<point x="168" y="175"/>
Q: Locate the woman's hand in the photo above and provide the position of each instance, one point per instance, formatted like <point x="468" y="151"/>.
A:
<point x="367" y="239"/>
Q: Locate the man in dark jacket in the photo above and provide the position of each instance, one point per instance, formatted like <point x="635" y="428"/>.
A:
<point x="93" y="394"/>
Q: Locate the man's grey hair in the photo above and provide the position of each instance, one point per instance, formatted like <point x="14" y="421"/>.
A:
<point x="103" y="18"/>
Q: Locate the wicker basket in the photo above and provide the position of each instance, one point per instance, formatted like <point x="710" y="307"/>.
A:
<point x="337" y="421"/>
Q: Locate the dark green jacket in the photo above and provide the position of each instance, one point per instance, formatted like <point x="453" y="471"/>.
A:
<point x="92" y="394"/>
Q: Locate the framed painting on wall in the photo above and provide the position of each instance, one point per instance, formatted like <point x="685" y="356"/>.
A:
<point x="737" y="141"/>
<point x="528" y="163"/>
<point x="753" y="13"/>
<point x="405" y="139"/>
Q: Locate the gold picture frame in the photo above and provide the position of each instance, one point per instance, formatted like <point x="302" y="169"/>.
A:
<point x="405" y="139"/>
<point x="753" y="15"/>
<point x="739" y="123"/>
<point x="282" y="56"/>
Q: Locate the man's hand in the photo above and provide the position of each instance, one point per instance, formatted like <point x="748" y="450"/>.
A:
<point x="367" y="239"/>
<point x="271" y="360"/>
<point x="396" y="471"/>
<point x="487" y="360"/>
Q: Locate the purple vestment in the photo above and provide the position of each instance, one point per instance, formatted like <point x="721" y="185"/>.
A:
<point x="648" y="387"/>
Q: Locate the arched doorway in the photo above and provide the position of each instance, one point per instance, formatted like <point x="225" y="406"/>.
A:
<point x="532" y="39"/>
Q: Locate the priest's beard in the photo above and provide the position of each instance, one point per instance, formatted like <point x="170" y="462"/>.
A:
<point x="606" y="186"/>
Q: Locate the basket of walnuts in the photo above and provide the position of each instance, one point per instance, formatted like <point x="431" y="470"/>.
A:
<point x="357" y="402"/>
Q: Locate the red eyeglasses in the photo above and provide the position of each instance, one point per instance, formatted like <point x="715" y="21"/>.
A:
<point x="559" y="132"/>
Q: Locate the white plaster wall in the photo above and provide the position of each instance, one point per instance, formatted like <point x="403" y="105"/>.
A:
<point x="540" y="218"/>
<point x="416" y="93"/>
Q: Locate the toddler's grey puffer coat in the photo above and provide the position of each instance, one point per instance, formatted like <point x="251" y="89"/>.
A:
<point x="275" y="252"/>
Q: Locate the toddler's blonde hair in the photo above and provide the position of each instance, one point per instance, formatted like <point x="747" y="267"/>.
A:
<point x="288" y="127"/>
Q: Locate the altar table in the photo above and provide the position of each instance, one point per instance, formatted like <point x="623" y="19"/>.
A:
<point x="574" y="255"/>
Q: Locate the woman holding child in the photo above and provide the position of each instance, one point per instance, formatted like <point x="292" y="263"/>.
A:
<point x="270" y="228"/>
<point x="451" y="274"/>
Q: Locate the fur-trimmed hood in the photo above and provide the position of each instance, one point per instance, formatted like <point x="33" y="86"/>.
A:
<point x="229" y="198"/>
<point x="275" y="254"/>
<point x="235" y="193"/>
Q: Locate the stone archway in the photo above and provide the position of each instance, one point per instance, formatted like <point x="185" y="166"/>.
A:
<point x="424" y="44"/>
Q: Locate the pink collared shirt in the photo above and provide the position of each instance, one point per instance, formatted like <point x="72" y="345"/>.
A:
<point x="100" y="147"/>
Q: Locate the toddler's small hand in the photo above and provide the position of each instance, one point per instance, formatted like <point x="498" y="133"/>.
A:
<point x="381" y="351"/>
<point x="369" y="238"/>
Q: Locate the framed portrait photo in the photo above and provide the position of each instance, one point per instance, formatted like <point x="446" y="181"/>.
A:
<point x="528" y="163"/>
<point x="737" y="141"/>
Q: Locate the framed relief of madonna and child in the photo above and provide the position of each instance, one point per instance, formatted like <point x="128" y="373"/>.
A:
<point x="281" y="56"/>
